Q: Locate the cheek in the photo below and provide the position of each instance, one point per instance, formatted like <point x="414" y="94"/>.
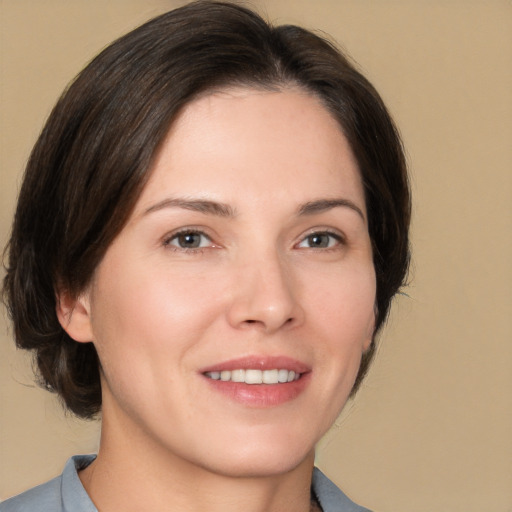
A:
<point x="344" y="329"/>
<point x="342" y="332"/>
<point x="345" y="306"/>
<point x="150" y="309"/>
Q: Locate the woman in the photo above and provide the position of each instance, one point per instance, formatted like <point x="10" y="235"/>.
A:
<point x="210" y="231"/>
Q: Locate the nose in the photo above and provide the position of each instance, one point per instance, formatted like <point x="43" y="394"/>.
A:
<point x="266" y="296"/>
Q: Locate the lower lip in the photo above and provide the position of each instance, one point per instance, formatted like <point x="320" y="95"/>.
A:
<point x="261" y="395"/>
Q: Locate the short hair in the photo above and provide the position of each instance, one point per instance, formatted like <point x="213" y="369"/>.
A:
<point x="95" y="153"/>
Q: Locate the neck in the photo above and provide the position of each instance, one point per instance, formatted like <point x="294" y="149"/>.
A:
<point x="134" y="474"/>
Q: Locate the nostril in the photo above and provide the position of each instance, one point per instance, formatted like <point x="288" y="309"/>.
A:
<point x="250" y="322"/>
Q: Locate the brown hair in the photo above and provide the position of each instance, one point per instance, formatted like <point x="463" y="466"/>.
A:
<point x="95" y="152"/>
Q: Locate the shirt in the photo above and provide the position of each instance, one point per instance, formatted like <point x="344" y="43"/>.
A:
<point x="66" y="493"/>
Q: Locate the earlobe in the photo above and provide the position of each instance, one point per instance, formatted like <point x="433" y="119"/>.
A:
<point x="75" y="316"/>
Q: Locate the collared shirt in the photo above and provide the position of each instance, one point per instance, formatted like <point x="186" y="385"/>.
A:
<point x="67" y="494"/>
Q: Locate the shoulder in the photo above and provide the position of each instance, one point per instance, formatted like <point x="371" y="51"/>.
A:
<point x="64" y="493"/>
<point x="44" y="497"/>
<point x="330" y="497"/>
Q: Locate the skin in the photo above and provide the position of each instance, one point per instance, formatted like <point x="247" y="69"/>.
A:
<point x="160" y="311"/>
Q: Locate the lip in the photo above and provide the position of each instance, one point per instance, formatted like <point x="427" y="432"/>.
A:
<point x="259" y="395"/>
<point x="259" y="363"/>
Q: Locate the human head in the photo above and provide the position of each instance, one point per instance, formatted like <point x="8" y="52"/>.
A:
<point x="95" y="155"/>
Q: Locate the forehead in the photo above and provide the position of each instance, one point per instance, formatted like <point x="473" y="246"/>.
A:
<point x="251" y="141"/>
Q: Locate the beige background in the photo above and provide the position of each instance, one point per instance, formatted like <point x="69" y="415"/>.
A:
<point x="431" y="429"/>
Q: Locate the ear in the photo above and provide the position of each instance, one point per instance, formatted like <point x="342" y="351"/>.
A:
<point x="367" y="343"/>
<point x="74" y="315"/>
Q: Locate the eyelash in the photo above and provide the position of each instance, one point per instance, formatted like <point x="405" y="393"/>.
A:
<point x="339" y="239"/>
<point x="167" y="242"/>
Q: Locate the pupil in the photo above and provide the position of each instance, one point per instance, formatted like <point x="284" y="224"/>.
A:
<point x="319" y="240"/>
<point x="189" y="240"/>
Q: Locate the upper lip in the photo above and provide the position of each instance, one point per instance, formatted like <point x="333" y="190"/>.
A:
<point x="255" y="362"/>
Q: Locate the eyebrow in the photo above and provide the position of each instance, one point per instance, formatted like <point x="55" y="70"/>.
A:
<point x="225" y="210"/>
<point x="196" y="205"/>
<point x="321" y="205"/>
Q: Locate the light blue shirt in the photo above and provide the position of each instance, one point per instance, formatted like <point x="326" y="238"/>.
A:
<point x="67" y="494"/>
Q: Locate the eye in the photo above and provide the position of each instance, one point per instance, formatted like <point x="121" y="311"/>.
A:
<point x="189" y="239"/>
<point x="321" y="240"/>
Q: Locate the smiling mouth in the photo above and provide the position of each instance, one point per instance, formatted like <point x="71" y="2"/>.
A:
<point x="254" y="376"/>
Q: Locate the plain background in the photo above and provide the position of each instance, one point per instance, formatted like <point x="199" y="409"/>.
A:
<point x="431" y="428"/>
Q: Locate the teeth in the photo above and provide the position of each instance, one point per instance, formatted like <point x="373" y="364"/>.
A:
<point x="251" y="376"/>
<point x="270" y="376"/>
<point x="282" y="375"/>
<point x="237" y="375"/>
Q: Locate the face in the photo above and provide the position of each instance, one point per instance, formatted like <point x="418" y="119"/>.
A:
<point x="231" y="312"/>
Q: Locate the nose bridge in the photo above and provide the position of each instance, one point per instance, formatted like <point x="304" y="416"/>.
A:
<point x="266" y="294"/>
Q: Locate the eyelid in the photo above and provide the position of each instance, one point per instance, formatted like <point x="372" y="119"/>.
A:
<point x="194" y="230"/>
<point x="334" y="233"/>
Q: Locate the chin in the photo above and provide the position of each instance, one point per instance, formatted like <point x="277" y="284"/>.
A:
<point x="272" y="454"/>
<point x="262" y="466"/>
